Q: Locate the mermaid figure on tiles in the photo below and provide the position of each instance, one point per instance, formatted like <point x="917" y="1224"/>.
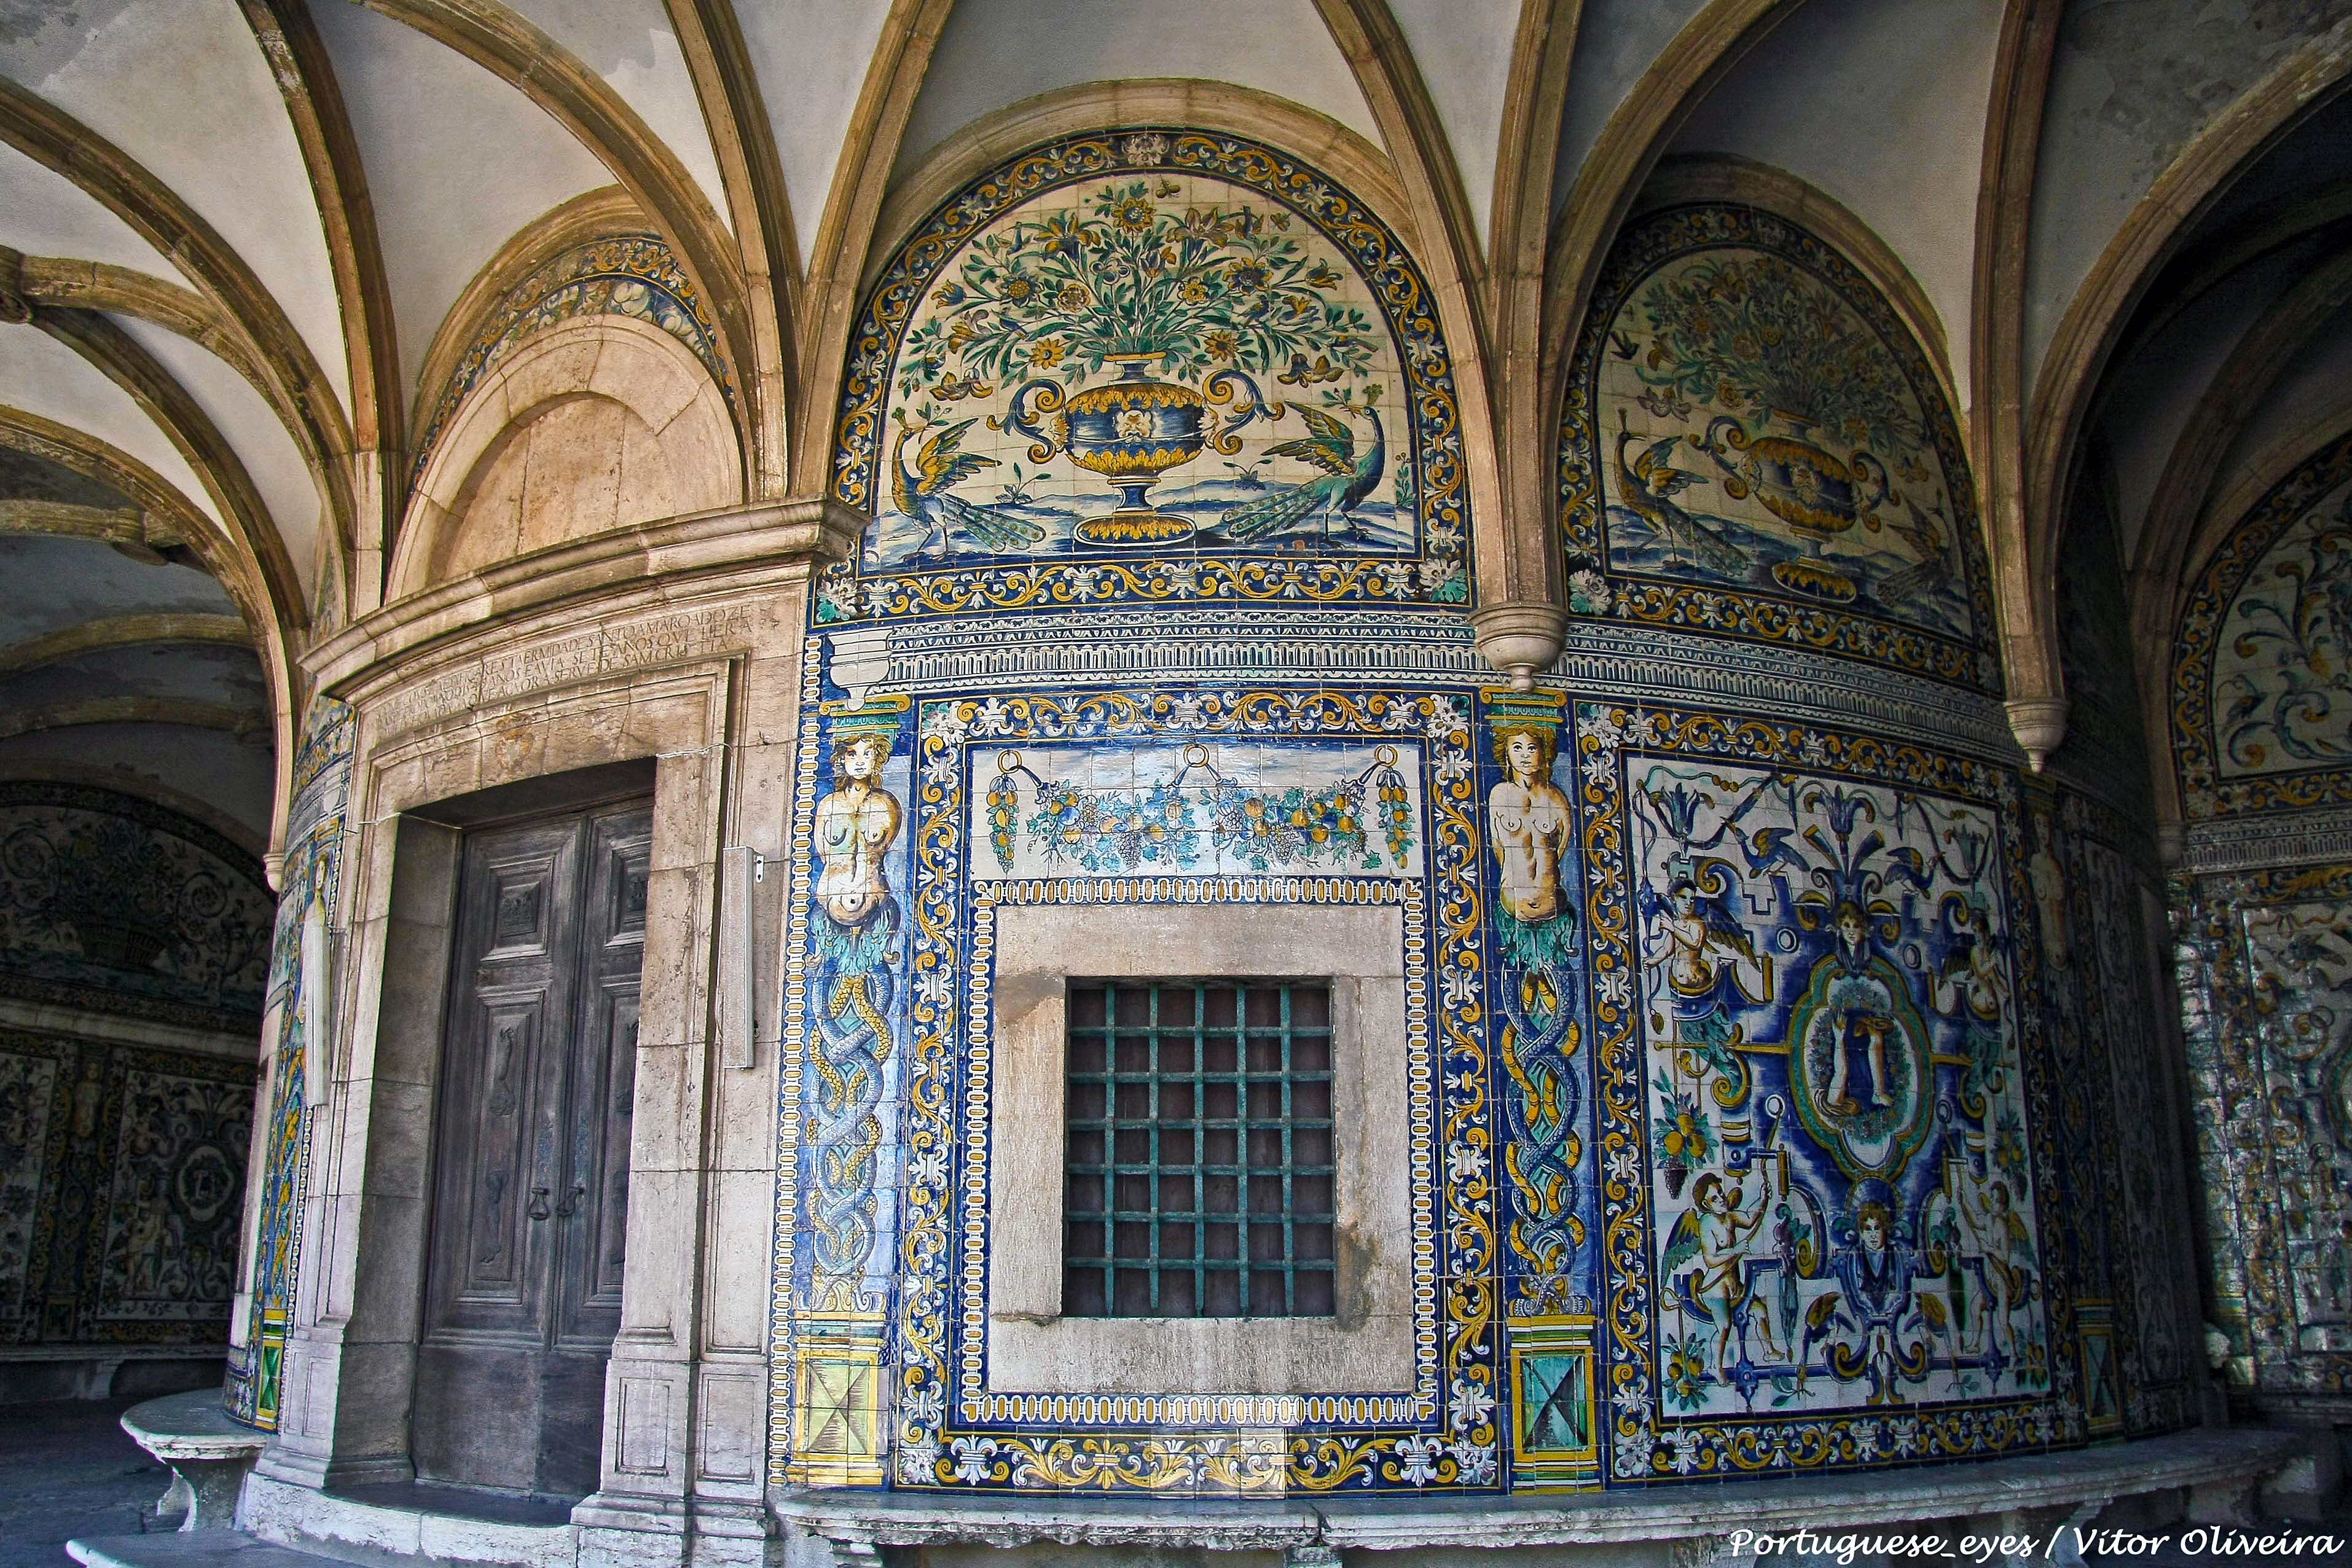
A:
<point x="1836" y="1127"/>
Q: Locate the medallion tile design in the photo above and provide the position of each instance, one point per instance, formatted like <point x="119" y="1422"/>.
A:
<point x="1753" y="1119"/>
<point x="1808" y="1010"/>
<point x="1753" y="445"/>
<point x="122" y="1169"/>
<point x="1151" y="367"/>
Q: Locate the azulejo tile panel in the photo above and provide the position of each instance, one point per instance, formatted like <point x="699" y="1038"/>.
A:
<point x="1823" y="1134"/>
<point x="1758" y="1025"/>
<point x="2256" y="701"/>
<point x="109" y="903"/>
<point x="1753" y="445"/>
<point x="124" y="1171"/>
<point x="1672" y="956"/>
<point x="2266" y="955"/>
<point x="311" y="880"/>
<point x="2259" y="677"/>
<point x="1149" y="365"/>
<point x="632" y="275"/>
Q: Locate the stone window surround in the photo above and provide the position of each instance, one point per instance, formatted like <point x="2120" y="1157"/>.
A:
<point x="1369" y="1346"/>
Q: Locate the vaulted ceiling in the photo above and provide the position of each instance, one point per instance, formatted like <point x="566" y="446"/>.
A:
<point x="231" y="232"/>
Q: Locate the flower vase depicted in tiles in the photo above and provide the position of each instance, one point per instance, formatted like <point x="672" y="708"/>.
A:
<point x="1754" y="446"/>
<point x="1162" y="358"/>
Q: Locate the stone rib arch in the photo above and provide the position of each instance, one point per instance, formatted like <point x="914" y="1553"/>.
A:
<point x="556" y="398"/>
<point x="2062" y="397"/>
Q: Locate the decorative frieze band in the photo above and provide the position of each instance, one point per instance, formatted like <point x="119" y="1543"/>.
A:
<point x="640" y="642"/>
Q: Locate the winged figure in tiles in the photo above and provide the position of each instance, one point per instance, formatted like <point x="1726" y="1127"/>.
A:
<point x="922" y="491"/>
<point x="1845" y="1206"/>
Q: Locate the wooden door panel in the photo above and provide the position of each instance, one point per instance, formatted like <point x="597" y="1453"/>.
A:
<point x="497" y="1115"/>
<point x="604" y="1079"/>
<point x="531" y="1171"/>
<point x="477" y="1416"/>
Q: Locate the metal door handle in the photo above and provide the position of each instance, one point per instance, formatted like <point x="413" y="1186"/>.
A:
<point x="538" y="1209"/>
<point x="571" y="1204"/>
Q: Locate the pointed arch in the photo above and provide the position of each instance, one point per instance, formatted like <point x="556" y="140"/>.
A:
<point x="2083" y="344"/>
<point x="330" y="156"/>
<point x="2027" y="605"/>
<point x="743" y="141"/>
<point x="846" y="234"/>
<point x="528" y="60"/>
<point x="296" y="389"/>
<point x="1447" y="242"/>
<point x="276" y="621"/>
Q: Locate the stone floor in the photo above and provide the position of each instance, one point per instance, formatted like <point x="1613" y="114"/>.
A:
<point x="68" y="1469"/>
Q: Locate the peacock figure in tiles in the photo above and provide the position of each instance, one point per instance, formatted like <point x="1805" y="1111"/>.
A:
<point x="1648" y="483"/>
<point x="922" y="492"/>
<point x="1349" y="475"/>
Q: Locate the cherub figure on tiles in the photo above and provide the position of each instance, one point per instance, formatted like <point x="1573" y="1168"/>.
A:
<point x="1717" y="1233"/>
<point x="1827" y="974"/>
<point x="1877" y="1269"/>
<point x="1979" y="980"/>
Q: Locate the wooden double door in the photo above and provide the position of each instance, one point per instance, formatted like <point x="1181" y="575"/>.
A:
<point x="532" y="1155"/>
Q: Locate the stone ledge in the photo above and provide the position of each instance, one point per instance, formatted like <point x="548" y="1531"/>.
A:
<point x="380" y="1526"/>
<point x="1667" y="1511"/>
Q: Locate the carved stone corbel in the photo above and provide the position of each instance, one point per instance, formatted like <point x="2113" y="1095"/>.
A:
<point x="1519" y="638"/>
<point x="2040" y="724"/>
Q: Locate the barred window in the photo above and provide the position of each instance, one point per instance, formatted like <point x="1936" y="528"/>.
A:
<point x="1200" y="1176"/>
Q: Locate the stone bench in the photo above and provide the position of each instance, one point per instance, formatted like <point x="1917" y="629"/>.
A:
<point x="208" y="1452"/>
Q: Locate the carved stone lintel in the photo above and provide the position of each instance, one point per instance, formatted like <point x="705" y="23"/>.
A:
<point x="2040" y="724"/>
<point x="1521" y="638"/>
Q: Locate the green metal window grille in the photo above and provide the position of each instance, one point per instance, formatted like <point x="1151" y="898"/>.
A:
<point x="1199" y="1149"/>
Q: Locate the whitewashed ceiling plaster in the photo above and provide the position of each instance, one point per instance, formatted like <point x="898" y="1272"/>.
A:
<point x="1889" y="108"/>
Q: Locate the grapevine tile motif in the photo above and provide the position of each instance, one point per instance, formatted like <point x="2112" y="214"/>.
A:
<point x="2259" y="677"/>
<point x="311" y="877"/>
<point x="1735" y="361"/>
<point x="1244" y="307"/>
<point x="619" y="274"/>
<point x="1778" y="916"/>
